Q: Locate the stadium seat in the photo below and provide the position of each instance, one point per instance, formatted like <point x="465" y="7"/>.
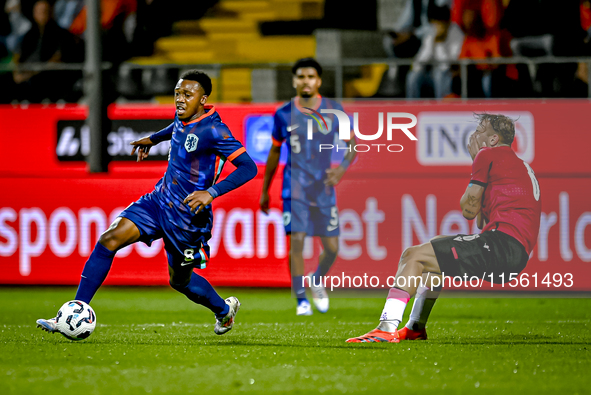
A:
<point x="233" y="38"/>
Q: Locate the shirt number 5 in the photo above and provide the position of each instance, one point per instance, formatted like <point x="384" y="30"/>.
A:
<point x="294" y="141"/>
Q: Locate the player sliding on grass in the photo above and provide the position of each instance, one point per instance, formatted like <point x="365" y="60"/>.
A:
<point x="179" y="209"/>
<point x="504" y="196"/>
<point x="309" y="198"/>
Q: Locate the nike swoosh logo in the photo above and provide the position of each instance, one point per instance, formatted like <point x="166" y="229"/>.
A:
<point x="331" y="228"/>
<point x="187" y="263"/>
<point x="292" y="127"/>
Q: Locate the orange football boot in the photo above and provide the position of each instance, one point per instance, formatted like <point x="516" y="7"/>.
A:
<point x="376" y="336"/>
<point x="409" y="334"/>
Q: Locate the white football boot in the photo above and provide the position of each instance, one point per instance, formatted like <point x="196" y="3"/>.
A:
<point x="225" y="324"/>
<point x="49" y="325"/>
<point x="319" y="295"/>
<point x="304" y="308"/>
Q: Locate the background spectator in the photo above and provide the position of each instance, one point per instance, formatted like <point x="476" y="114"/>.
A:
<point x="46" y="42"/>
<point x="480" y="21"/>
<point x="443" y="43"/>
<point x="154" y="20"/>
<point x="541" y="28"/>
<point x="18" y="25"/>
<point x="118" y="23"/>
<point x="6" y="81"/>
<point x="64" y="12"/>
<point x="410" y="28"/>
<point x="405" y="40"/>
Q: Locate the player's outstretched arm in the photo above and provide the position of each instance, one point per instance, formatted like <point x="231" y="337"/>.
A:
<point x="471" y="201"/>
<point x="142" y="146"/>
<point x="270" y="170"/>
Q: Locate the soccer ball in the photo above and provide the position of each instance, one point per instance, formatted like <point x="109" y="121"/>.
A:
<point x="76" y="320"/>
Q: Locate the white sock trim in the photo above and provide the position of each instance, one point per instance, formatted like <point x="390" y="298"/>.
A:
<point x="393" y="311"/>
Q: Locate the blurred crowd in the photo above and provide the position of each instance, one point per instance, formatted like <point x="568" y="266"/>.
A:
<point x="427" y="31"/>
<point x="444" y="31"/>
<point x="53" y="31"/>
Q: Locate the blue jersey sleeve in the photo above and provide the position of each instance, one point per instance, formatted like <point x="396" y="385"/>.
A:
<point x="163" y="135"/>
<point x="224" y="144"/>
<point x="245" y="171"/>
<point x="279" y="130"/>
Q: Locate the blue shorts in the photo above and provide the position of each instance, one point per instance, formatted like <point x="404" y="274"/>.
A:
<point x="183" y="248"/>
<point x="314" y="221"/>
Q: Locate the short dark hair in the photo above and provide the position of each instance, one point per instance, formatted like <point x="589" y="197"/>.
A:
<point x="199" y="76"/>
<point x="435" y="13"/>
<point x="307" y="62"/>
<point x="501" y="124"/>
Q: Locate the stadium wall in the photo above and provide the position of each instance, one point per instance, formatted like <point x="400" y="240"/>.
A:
<point x="52" y="211"/>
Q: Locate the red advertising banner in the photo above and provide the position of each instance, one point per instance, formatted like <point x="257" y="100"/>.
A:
<point x="49" y="228"/>
<point x="46" y="237"/>
<point x="52" y="212"/>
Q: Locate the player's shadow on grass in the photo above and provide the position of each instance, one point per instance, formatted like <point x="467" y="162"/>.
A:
<point x="213" y="342"/>
<point x="509" y="338"/>
<point x="505" y="342"/>
<point x="335" y="343"/>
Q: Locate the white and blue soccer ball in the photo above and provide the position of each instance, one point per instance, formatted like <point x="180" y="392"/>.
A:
<point x="76" y="320"/>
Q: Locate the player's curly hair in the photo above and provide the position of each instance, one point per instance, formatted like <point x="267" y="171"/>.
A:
<point x="501" y="124"/>
<point x="307" y="62"/>
<point x="199" y="76"/>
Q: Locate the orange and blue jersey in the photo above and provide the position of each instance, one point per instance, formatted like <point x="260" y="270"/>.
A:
<point x="305" y="170"/>
<point x="198" y="151"/>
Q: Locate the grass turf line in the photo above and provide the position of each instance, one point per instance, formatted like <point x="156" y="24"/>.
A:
<point x="154" y="340"/>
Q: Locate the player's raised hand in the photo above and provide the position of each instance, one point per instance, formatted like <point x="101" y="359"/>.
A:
<point x="473" y="145"/>
<point x="264" y="203"/>
<point x="334" y="175"/>
<point x="142" y="146"/>
<point x="198" y="200"/>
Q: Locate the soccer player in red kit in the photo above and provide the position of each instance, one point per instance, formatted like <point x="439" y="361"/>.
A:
<point x="504" y="196"/>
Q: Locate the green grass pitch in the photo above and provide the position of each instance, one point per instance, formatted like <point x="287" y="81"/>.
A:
<point x="154" y="340"/>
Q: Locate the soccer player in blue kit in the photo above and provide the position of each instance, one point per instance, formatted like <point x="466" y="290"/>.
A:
<point x="178" y="210"/>
<point x="309" y="198"/>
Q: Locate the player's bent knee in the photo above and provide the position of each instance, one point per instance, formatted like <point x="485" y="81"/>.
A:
<point x="110" y="240"/>
<point x="298" y="237"/>
<point x="409" y="252"/>
<point x="178" y="285"/>
<point x="297" y="242"/>
<point x="120" y="234"/>
<point x="331" y="255"/>
<point x="330" y="245"/>
<point x="332" y="250"/>
<point x="401" y="266"/>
